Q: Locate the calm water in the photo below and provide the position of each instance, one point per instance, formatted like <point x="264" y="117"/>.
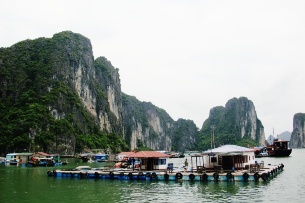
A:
<point x="25" y="184"/>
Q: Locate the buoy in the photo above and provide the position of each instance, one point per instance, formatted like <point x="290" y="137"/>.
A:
<point x="191" y="176"/>
<point x="245" y="176"/>
<point x="216" y="176"/>
<point x="256" y="176"/>
<point x="154" y="175"/>
<point x="229" y="176"/>
<point x="166" y="176"/>
<point x="179" y="176"/>
<point x="111" y="174"/>
<point x="264" y="176"/>
<point x="204" y="177"/>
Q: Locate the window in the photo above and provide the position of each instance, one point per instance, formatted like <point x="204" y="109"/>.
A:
<point x="162" y="161"/>
<point x="159" y="161"/>
<point x="213" y="159"/>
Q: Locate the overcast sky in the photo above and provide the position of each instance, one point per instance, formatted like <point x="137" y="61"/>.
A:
<point x="185" y="57"/>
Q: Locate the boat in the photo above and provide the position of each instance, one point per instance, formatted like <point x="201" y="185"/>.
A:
<point x="44" y="159"/>
<point x="13" y="162"/>
<point x="174" y="155"/>
<point x="279" y="148"/>
<point x="2" y="160"/>
<point x="86" y="157"/>
<point x="101" y="157"/>
<point x="65" y="162"/>
<point x="260" y="151"/>
<point x="181" y="155"/>
<point x="37" y="161"/>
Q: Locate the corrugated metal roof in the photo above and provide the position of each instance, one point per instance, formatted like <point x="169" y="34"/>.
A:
<point x="148" y="154"/>
<point x="228" y="148"/>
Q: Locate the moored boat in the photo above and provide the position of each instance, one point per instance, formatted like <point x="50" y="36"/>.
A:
<point x="41" y="162"/>
<point x="279" y="148"/>
<point x="2" y="160"/>
<point x="13" y="162"/>
<point x="44" y="159"/>
<point x="260" y="152"/>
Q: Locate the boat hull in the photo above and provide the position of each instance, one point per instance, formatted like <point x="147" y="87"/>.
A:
<point x="280" y="153"/>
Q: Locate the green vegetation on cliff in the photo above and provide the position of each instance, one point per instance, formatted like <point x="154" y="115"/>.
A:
<point x="54" y="98"/>
<point x="232" y="124"/>
<point x="40" y="109"/>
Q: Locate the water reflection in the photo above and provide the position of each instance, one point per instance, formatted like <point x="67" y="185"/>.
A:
<point x="188" y="191"/>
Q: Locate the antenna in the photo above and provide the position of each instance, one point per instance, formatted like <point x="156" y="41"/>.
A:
<point x="212" y="137"/>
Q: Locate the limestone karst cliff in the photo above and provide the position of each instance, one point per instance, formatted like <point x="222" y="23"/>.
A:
<point x="55" y="97"/>
<point x="146" y="125"/>
<point x="245" y="121"/>
<point x="236" y="123"/>
<point x="298" y="134"/>
<point x="152" y="127"/>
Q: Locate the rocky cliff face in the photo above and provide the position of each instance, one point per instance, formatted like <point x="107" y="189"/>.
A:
<point x="66" y="100"/>
<point x="55" y="97"/>
<point x="149" y="126"/>
<point x="96" y="82"/>
<point x="298" y="134"/>
<point x="245" y="119"/>
<point x="146" y="124"/>
<point x="184" y="135"/>
<point x="233" y="124"/>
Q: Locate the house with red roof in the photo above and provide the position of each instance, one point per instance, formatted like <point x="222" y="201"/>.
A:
<point x="150" y="160"/>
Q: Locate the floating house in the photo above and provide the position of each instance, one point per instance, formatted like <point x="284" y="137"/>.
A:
<point x="20" y="158"/>
<point x="226" y="157"/>
<point x="150" y="160"/>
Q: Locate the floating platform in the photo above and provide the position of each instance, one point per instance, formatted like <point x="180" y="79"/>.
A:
<point x="263" y="174"/>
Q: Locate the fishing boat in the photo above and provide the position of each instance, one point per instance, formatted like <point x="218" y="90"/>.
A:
<point x="279" y="148"/>
<point x="37" y="161"/>
<point x="101" y="157"/>
<point x="13" y="162"/>
<point x="2" y="160"/>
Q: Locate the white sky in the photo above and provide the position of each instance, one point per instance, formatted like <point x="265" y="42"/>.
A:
<point x="185" y="56"/>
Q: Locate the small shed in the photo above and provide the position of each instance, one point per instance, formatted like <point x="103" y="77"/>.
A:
<point x="19" y="157"/>
<point x="151" y="160"/>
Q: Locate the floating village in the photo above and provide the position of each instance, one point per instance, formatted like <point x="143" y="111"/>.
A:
<point x="224" y="163"/>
